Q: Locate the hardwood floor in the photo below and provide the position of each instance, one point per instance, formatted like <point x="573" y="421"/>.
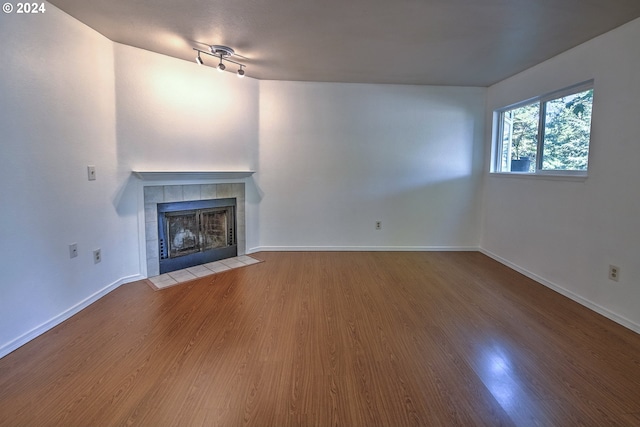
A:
<point x="348" y="339"/>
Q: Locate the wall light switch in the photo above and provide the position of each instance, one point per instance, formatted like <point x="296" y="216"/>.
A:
<point x="73" y="250"/>
<point x="91" y="171"/>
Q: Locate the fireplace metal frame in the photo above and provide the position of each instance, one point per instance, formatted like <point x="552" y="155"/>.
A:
<point x="167" y="263"/>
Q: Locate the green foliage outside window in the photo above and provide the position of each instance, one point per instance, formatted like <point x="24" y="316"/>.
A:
<point x="567" y="132"/>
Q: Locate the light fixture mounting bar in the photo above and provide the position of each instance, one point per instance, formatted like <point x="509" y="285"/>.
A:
<point x="220" y="56"/>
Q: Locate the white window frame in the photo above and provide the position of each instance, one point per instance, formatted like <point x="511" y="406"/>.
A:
<point x="496" y="164"/>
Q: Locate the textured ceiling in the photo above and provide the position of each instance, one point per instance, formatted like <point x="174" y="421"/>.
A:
<point x="434" y="42"/>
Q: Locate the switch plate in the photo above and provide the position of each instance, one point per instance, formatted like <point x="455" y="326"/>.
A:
<point x="73" y="250"/>
<point x="91" y="172"/>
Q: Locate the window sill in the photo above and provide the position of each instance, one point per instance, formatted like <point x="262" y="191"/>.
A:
<point x="545" y="176"/>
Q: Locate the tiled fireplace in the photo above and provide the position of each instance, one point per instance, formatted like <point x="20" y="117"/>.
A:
<point x="155" y="194"/>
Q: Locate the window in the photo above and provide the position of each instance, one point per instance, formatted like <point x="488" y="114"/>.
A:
<point x="549" y="134"/>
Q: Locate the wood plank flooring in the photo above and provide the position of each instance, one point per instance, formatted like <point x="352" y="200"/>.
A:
<point x="331" y="339"/>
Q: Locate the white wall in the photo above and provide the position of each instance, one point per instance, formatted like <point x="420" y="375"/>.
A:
<point x="57" y="115"/>
<point x="177" y="115"/>
<point x="69" y="98"/>
<point x="335" y="158"/>
<point x="564" y="233"/>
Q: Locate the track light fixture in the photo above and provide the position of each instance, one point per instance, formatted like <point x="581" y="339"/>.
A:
<point x="224" y="53"/>
<point x="221" y="66"/>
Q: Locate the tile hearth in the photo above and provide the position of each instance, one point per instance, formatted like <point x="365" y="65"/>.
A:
<point x="180" y="276"/>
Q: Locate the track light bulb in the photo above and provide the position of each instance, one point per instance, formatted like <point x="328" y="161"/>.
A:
<point x="199" y="60"/>
<point x="240" y="72"/>
<point x="221" y="66"/>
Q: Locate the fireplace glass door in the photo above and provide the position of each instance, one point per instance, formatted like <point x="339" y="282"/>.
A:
<point x="183" y="233"/>
<point x="192" y="233"/>
<point x="214" y="227"/>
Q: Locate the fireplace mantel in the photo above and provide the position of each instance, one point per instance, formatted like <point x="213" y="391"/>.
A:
<point x="190" y="175"/>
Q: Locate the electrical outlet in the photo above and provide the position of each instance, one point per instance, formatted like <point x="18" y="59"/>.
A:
<point x="97" y="256"/>
<point x="91" y="172"/>
<point x="378" y="225"/>
<point x="73" y="250"/>
<point x="614" y="273"/>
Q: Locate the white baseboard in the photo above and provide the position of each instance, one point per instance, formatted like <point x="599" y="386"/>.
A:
<point x="567" y="293"/>
<point x="363" y="249"/>
<point x="44" y="327"/>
